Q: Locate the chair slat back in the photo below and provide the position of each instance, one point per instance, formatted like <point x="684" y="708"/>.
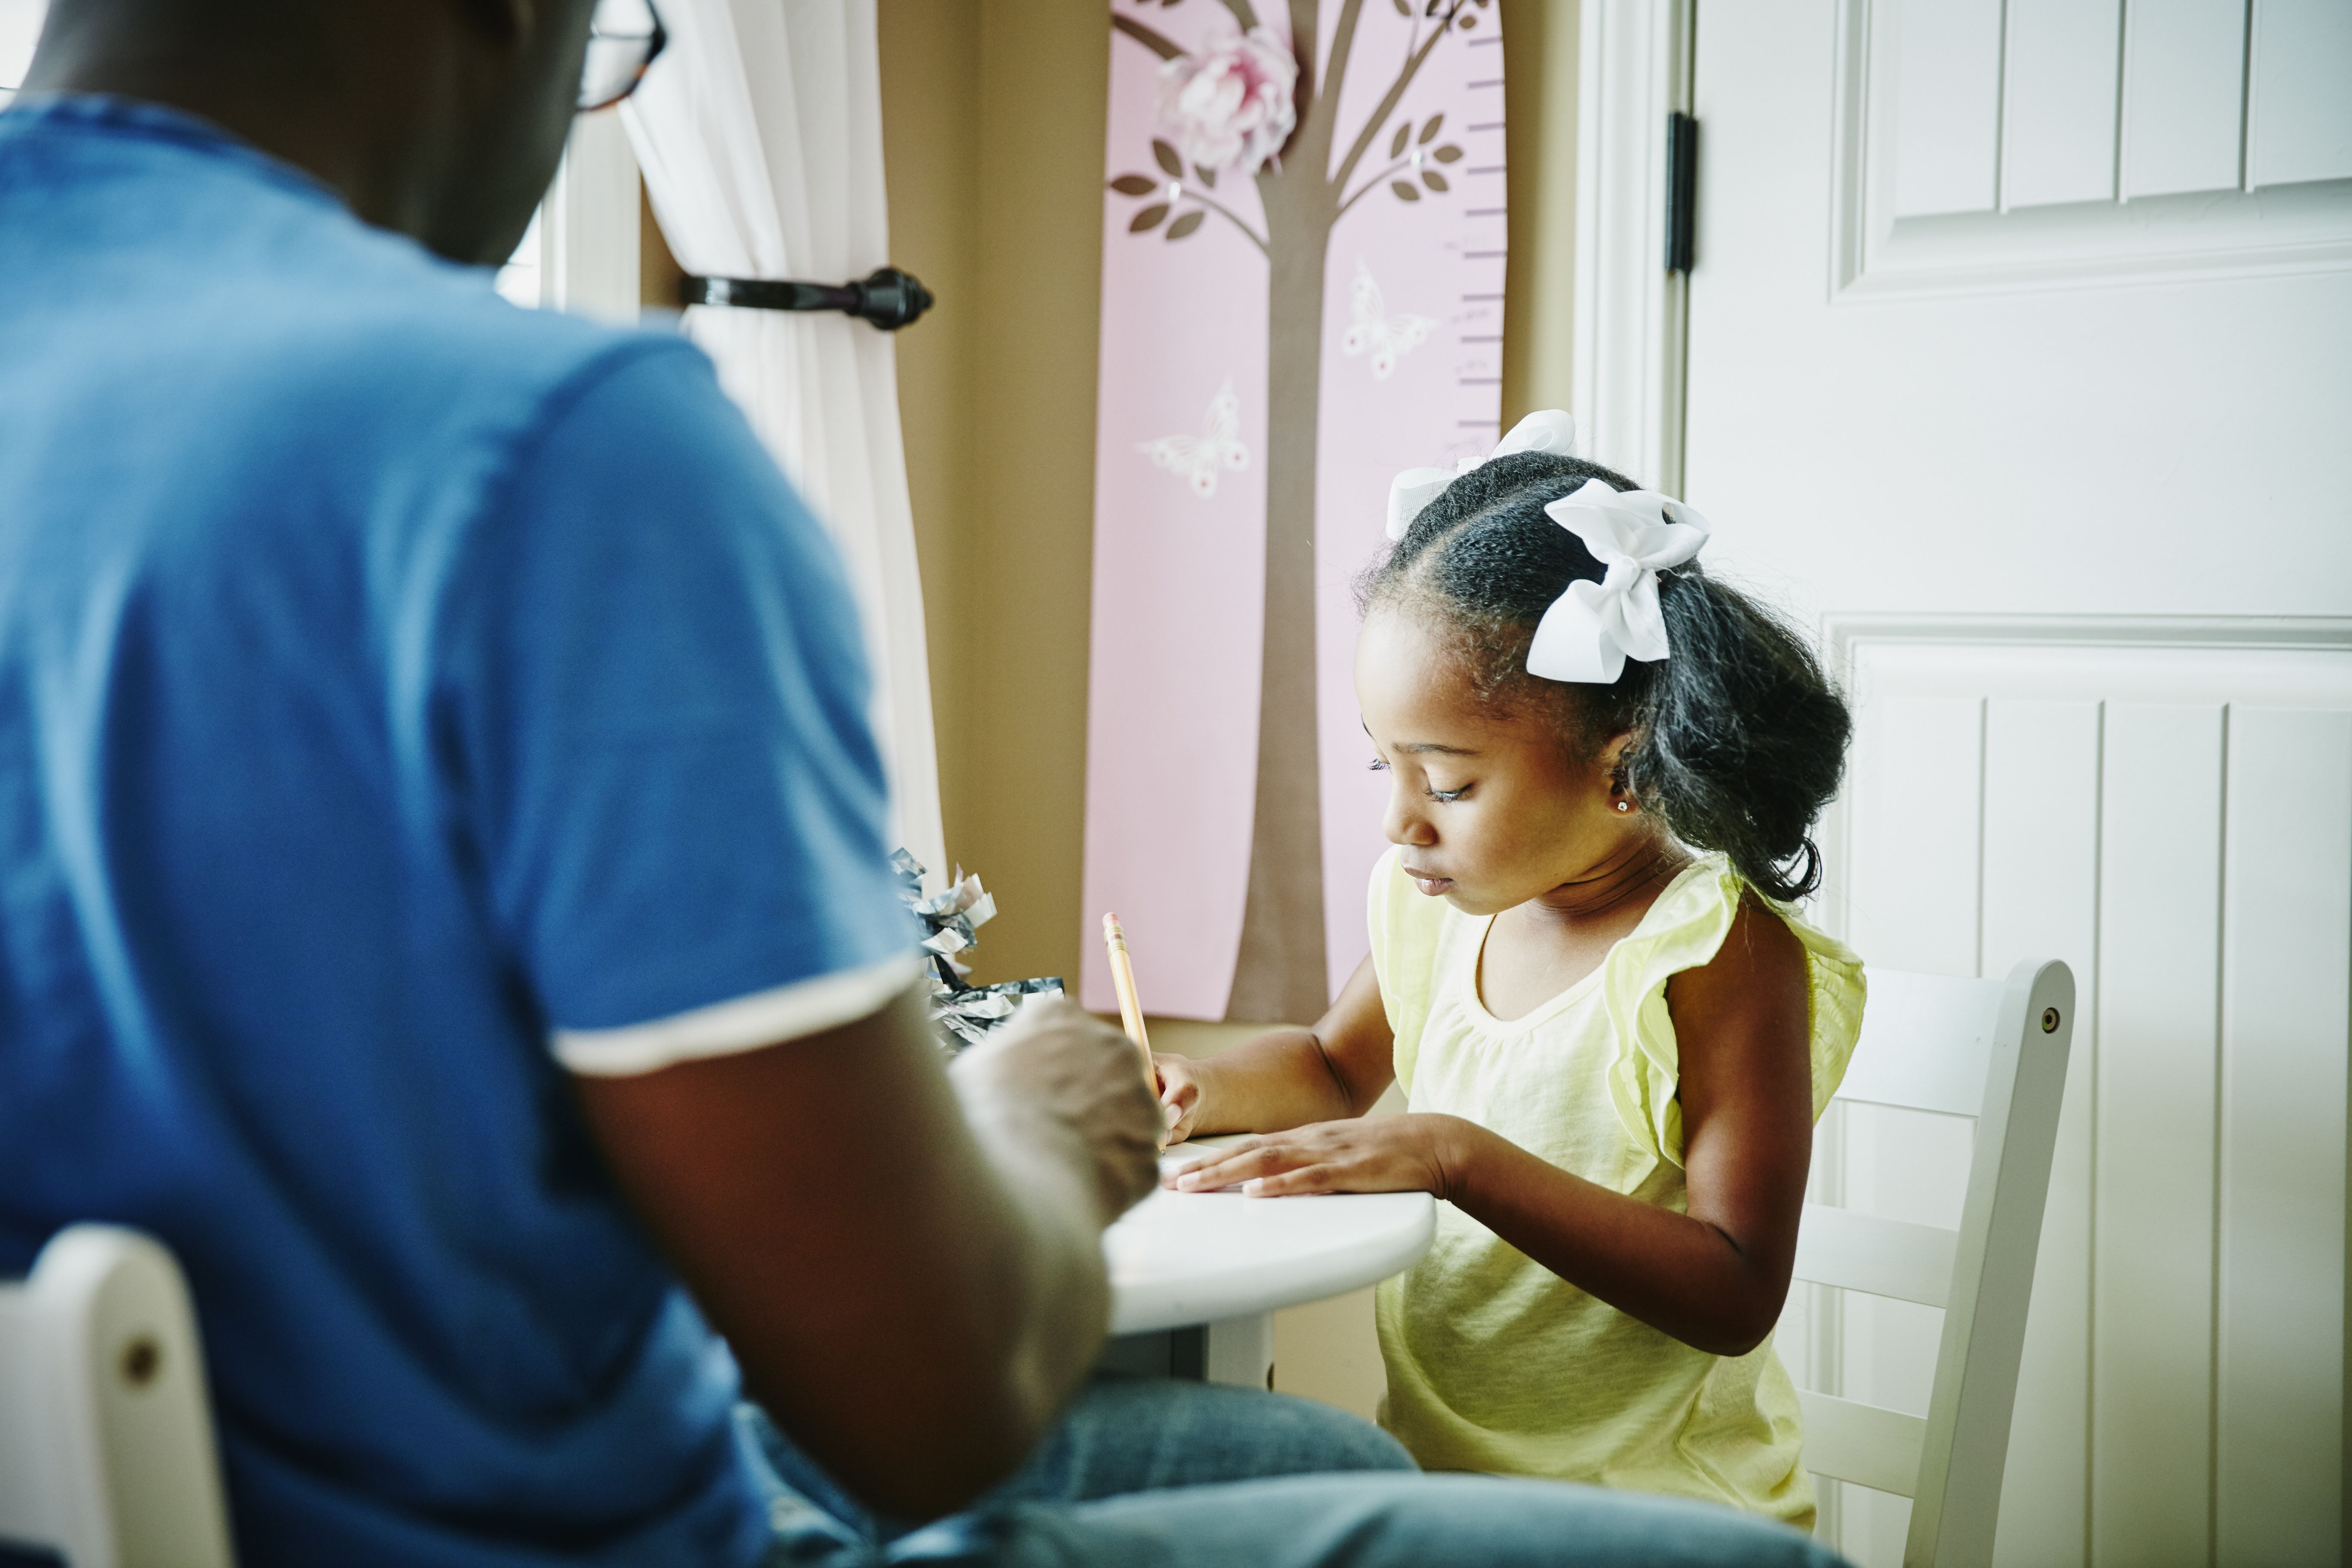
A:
<point x="1958" y="1501"/>
<point x="1879" y="1256"/>
<point x="1864" y="1443"/>
<point x="106" y="1441"/>
<point x="1996" y="1051"/>
<point x="1925" y="1041"/>
<point x="25" y="1486"/>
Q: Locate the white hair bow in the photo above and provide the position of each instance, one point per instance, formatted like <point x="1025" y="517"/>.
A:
<point x="1548" y="431"/>
<point x="1595" y="627"/>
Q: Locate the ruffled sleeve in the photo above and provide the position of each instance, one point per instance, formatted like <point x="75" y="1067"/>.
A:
<point x="1683" y="930"/>
<point x="1405" y="927"/>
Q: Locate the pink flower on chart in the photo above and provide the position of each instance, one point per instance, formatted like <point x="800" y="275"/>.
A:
<point x="1231" y="103"/>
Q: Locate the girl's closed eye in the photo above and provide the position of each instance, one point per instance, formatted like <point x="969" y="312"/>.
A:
<point x="1379" y="765"/>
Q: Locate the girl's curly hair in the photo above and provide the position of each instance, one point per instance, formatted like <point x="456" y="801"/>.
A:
<point x="1739" y="738"/>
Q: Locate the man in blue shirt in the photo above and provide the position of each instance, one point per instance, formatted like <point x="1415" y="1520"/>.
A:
<point x="405" y="698"/>
<point x="442" y="890"/>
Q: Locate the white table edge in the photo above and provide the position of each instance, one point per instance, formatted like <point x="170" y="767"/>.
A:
<point x="1148" y="1305"/>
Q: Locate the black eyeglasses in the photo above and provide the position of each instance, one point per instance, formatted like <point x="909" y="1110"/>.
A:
<point x="623" y="37"/>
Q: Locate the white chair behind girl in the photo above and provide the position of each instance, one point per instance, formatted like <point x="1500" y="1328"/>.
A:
<point x="1995" y="1051"/>
<point x="106" y="1437"/>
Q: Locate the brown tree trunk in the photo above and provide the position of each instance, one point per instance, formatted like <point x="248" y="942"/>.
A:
<point x="1280" y="974"/>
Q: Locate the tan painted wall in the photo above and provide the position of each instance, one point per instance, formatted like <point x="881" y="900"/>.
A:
<point x="992" y="133"/>
<point x="992" y="138"/>
<point x="1539" y="148"/>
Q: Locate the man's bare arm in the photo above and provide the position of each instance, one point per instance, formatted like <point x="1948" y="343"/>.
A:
<point x="909" y="1270"/>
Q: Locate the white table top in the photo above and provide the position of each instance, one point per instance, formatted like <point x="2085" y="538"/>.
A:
<point x="1178" y="1258"/>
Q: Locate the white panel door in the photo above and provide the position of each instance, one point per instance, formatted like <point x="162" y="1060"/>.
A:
<point x="2019" y="355"/>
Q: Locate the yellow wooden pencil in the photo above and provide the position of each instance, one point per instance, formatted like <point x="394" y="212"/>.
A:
<point x="1130" y="1010"/>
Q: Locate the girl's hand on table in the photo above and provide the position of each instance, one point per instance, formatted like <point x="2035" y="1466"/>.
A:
<point x="1408" y="1154"/>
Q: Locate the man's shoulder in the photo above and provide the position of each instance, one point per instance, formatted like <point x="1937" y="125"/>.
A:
<point x="372" y="311"/>
<point x="229" y="272"/>
<point x="378" y="358"/>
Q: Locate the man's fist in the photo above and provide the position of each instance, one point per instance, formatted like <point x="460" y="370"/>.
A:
<point x="1057" y="1065"/>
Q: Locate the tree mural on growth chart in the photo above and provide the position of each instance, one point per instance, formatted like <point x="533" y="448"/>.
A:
<point x="1255" y="90"/>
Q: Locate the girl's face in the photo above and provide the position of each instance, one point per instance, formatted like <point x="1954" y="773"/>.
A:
<point x="1492" y="808"/>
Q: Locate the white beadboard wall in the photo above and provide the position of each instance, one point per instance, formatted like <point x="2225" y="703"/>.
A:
<point x="2167" y="806"/>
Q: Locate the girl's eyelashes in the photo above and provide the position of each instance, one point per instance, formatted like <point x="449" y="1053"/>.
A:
<point x="1379" y="765"/>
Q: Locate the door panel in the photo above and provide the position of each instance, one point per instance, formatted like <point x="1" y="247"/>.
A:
<point x="2184" y="97"/>
<point x="1948" y="125"/>
<point x="2169" y="810"/>
<point x="2053" y="409"/>
<point x="2040" y="900"/>
<point x="2159" y="1060"/>
<point x="2287" y="938"/>
<point x="2301" y="124"/>
<point x="2059" y="101"/>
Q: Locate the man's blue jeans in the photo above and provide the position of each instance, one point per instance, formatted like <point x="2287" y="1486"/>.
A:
<point x="1150" y="1474"/>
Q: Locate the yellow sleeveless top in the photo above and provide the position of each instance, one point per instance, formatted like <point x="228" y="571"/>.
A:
<point x="1496" y="1363"/>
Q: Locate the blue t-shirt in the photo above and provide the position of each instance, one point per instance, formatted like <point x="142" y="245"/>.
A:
<point x="394" y="686"/>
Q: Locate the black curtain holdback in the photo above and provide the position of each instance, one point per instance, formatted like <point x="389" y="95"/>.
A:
<point x="887" y="297"/>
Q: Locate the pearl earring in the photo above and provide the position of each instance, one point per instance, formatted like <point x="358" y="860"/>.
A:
<point x="1624" y="806"/>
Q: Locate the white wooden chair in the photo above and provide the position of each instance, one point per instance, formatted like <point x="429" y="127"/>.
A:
<point x="1995" y="1051"/>
<point x="106" y="1437"/>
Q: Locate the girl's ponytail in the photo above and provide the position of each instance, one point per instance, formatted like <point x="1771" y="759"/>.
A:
<point x="1738" y="738"/>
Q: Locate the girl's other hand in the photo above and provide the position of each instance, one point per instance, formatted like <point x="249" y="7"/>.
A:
<point x="1408" y="1154"/>
<point x="1180" y="1097"/>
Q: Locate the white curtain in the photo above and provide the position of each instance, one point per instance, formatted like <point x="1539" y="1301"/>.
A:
<point x="759" y="135"/>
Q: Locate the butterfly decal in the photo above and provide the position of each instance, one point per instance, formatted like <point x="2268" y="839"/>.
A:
<point x="1386" y="337"/>
<point x="1218" y="446"/>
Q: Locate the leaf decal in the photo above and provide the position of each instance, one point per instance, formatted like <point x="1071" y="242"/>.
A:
<point x="1469" y="20"/>
<point x="1396" y="147"/>
<point x="1405" y="193"/>
<point x="1449" y="154"/>
<point x="1166" y="157"/>
<point x="1185" y="225"/>
<point x="1433" y="180"/>
<point x="1148" y="218"/>
<point x="1134" y="185"/>
<point x="1429" y="131"/>
<point x="1208" y="177"/>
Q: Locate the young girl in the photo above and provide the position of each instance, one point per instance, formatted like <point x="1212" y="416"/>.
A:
<point x="1612" y="1034"/>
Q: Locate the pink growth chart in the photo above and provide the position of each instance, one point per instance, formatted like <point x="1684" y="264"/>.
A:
<point x="1303" y="245"/>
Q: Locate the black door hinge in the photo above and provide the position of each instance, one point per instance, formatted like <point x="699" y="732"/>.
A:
<point x="1682" y="189"/>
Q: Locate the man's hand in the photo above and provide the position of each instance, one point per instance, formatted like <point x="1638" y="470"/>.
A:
<point x="1410" y="1153"/>
<point x="908" y="1268"/>
<point x="1056" y="1071"/>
